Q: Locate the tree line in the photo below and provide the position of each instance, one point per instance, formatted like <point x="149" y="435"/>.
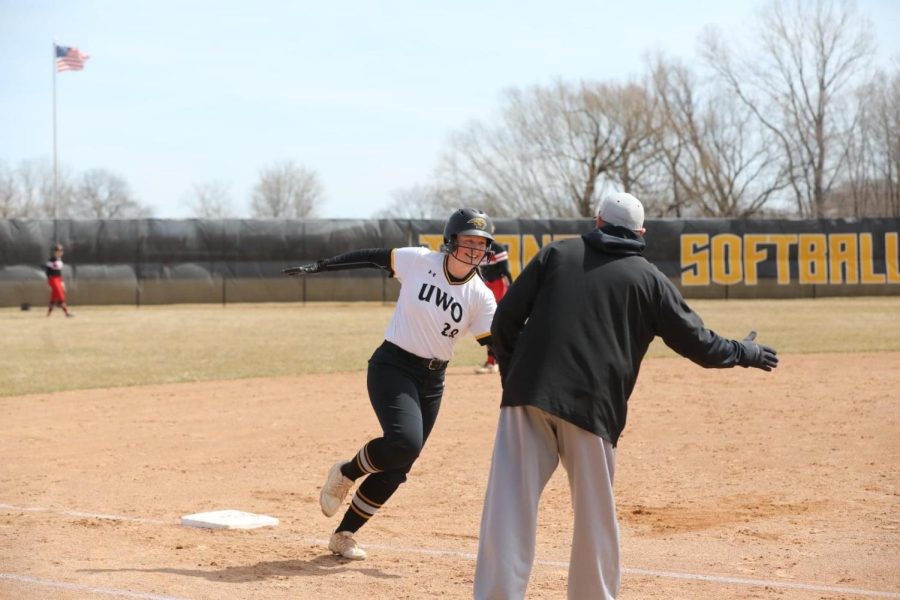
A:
<point x="283" y="190"/>
<point x="799" y="123"/>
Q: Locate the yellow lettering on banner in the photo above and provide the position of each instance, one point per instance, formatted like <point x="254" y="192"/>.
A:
<point x="432" y="240"/>
<point x="811" y="258"/>
<point x="783" y="243"/>
<point x="842" y="253"/>
<point x="866" y="262"/>
<point x="695" y="259"/>
<point x="726" y="259"/>
<point x="892" y="257"/>
<point x="529" y="248"/>
<point x="753" y="255"/>
<point x="511" y="241"/>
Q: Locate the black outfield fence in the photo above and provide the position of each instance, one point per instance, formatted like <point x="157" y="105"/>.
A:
<point x="156" y="261"/>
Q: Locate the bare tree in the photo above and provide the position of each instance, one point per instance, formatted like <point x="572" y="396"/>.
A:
<point x="211" y="200"/>
<point x="420" y="202"/>
<point x="286" y="190"/>
<point x="886" y="130"/>
<point x="872" y="183"/>
<point x="634" y="110"/>
<point x="554" y="151"/>
<point x="33" y="180"/>
<point x="719" y="158"/>
<point x="490" y="164"/>
<point x="101" y="194"/>
<point x="856" y="195"/>
<point x="28" y="192"/>
<point x="10" y="201"/>
<point x="795" y="85"/>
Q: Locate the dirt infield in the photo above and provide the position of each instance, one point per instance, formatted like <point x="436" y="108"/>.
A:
<point x="731" y="484"/>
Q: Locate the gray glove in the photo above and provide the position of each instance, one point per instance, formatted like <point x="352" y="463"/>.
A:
<point x="315" y="267"/>
<point x="757" y="355"/>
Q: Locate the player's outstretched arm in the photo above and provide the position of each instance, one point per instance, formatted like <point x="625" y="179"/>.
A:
<point x="379" y="258"/>
<point x="303" y="269"/>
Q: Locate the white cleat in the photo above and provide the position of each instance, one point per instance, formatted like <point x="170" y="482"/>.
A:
<point x="487" y="368"/>
<point x="342" y="543"/>
<point x="335" y="489"/>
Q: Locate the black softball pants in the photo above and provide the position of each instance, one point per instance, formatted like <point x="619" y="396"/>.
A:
<point x="406" y="396"/>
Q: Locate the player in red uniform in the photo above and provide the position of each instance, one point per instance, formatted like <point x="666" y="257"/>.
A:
<point x="496" y="275"/>
<point x="53" y="269"/>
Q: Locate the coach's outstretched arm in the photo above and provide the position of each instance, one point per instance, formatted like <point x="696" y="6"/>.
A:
<point x="375" y="258"/>
<point x="684" y="332"/>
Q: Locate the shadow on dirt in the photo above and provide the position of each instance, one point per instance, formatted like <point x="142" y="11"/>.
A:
<point x="317" y="566"/>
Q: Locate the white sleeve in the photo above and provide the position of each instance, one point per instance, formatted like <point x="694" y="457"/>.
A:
<point x="404" y="259"/>
<point x="484" y="315"/>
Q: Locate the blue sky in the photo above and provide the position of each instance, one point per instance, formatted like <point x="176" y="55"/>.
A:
<point x="365" y="93"/>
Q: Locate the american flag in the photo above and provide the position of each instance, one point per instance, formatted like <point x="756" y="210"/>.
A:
<point x="70" y="59"/>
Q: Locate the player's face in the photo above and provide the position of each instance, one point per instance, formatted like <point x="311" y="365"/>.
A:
<point x="470" y="249"/>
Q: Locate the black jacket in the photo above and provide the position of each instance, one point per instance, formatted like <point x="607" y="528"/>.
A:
<point x="572" y="330"/>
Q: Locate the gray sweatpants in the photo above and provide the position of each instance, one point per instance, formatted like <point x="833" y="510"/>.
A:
<point x="527" y="449"/>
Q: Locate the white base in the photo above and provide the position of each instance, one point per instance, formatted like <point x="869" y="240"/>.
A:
<point x="228" y="519"/>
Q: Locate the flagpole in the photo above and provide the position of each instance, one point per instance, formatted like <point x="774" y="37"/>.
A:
<point x="55" y="177"/>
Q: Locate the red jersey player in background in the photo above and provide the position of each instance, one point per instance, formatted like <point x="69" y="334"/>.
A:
<point x="53" y="269"/>
<point x="497" y="276"/>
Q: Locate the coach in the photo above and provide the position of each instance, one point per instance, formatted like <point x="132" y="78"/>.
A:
<point x="569" y="337"/>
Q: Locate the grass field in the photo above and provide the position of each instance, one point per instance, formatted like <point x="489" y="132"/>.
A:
<point x="729" y="484"/>
<point x="124" y="346"/>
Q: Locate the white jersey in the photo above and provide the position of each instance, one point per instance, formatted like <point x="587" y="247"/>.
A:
<point x="432" y="312"/>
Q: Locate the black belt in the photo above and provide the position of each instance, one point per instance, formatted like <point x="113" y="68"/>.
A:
<point x="432" y="364"/>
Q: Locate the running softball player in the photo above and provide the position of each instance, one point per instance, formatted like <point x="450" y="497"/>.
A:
<point x="442" y="297"/>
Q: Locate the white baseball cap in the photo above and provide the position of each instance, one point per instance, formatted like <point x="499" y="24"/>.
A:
<point x="622" y="209"/>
